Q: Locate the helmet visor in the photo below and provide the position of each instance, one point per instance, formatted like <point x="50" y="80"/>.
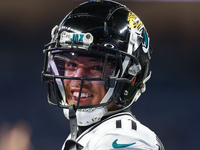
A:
<point x="76" y="65"/>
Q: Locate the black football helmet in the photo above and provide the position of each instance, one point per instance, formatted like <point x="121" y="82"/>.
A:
<point x="116" y="39"/>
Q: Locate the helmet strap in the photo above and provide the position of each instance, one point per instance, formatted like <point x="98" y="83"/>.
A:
<point x="73" y="121"/>
<point x="72" y="144"/>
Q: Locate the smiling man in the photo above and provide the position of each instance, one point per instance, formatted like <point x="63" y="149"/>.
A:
<point x="96" y="65"/>
<point x="84" y="67"/>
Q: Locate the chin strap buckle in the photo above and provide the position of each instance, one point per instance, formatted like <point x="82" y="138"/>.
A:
<point x="142" y="88"/>
<point x="143" y="85"/>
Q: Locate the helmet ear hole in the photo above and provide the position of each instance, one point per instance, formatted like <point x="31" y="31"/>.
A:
<point x="133" y="81"/>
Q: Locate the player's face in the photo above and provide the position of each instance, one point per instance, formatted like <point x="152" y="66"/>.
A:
<point x="92" y="91"/>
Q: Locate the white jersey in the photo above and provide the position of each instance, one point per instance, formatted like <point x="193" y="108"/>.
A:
<point x="118" y="132"/>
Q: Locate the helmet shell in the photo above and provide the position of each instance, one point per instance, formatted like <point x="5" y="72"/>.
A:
<point x="113" y="25"/>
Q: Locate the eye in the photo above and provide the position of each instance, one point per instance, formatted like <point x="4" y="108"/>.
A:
<point x="71" y="65"/>
<point x="97" y="67"/>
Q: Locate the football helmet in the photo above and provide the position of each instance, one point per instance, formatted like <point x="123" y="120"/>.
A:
<point x="111" y="44"/>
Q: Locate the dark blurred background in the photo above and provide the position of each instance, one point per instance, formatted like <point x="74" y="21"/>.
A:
<point x="170" y="106"/>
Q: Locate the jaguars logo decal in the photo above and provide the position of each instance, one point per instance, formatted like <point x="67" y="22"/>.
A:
<point x="134" y="21"/>
<point x="138" y="30"/>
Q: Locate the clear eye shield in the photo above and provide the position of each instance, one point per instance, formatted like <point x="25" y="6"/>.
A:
<point x="83" y="65"/>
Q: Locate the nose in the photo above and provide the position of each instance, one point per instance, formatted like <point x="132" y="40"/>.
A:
<point x="81" y="72"/>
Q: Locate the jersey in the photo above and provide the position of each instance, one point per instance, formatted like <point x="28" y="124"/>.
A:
<point x="118" y="132"/>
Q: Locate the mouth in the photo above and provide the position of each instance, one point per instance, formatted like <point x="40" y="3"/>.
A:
<point x="83" y="95"/>
<point x="83" y="98"/>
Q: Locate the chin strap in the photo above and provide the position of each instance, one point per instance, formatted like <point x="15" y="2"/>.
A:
<point x="73" y="122"/>
<point x="142" y="88"/>
<point x="72" y="144"/>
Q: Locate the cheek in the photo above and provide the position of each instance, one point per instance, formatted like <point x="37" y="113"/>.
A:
<point x="67" y="91"/>
<point x="100" y="92"/>
<point x="98" y="83"/>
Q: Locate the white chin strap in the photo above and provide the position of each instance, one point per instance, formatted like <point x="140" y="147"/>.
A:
<point x="88" y="116"/>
